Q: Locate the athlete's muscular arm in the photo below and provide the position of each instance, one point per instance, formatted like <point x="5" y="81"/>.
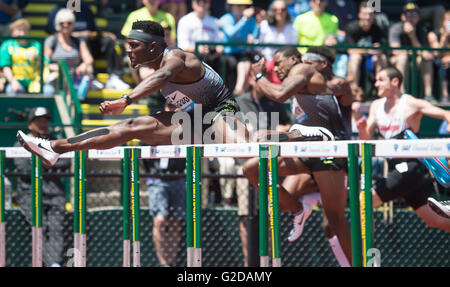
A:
<point x="366" y="127"/>
<point x="296" y="81"/>
<point x="171" y="65"/>
<point x="341" y="89"/>
<point x="427" y="109"/>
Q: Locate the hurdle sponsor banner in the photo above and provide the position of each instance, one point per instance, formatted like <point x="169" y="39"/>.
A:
<point x="114" y="153"/>
<point x="17" y="152"/>
<point x="244" y="150"/>
<point x="315" y="149"/>
<point x="163" y="151"/>
<point x="412" y="148"/>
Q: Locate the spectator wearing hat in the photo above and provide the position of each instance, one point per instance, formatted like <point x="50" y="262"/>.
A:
<point x="407" y="32"/>
<point x="20" y="60"/>
<point x="53" y="194"/>
<point x="240" y="25"/>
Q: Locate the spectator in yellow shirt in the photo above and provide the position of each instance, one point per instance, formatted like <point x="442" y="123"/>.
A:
<point x="314" y="25"/>
<point x="149" y="11"/>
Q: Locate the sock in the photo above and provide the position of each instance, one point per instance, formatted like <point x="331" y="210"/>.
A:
<point x="312" y="198"/>
<point x="338" y="252"/>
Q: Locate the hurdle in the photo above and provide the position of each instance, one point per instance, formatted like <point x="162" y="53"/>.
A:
<point x="359" y="184"/>
<point x="130" y="205"/>
<point x="36" y="211"/>
<point x="79" y="213"/>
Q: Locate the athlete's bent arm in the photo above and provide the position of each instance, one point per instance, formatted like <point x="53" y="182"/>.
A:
<point x="298" y="78"/>
<point x="427" y="109"/>
<point x="170" y="68"/>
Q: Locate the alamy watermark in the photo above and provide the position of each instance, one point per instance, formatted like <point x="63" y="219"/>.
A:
<point x="74" y="5"/>
<point x="375" y="4"/>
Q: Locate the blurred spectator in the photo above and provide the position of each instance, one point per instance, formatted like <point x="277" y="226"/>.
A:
<point x="178" y="8"/>
<point x="341" y="61"/>
<point x="346" y="11"/>
<point x="8" y="9"/>
<point x="20" y="60"/>
<point x="151" y="12"/>
<point x="313" y="26"/>
<point x="100" y="44"/>
<point x="409" y="33"/>
<point x="431" y="11"/>
<point x="53" y="192"/>
<point x="440" y="38"/>
<point x="21" y="4"/>
<point x="297" y="7"/>
<point x="199" y="26"/>
<point x="167" y="204"/>
<point x="63" y="46"/>
<point x="277" y="28"/>
<point x="239" y="26"/>
<point x="364" y="32"/>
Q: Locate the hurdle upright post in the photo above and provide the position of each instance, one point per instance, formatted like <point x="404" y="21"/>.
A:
<point x="197" y="206"/>
<point x="193" y="206"/>
<point x="189" y="222"/>
<point x="274" y="206"/>
<point x="263" y="238"/>
<point x="126" y="207"/>
<point x="353" y="178"/>
<point x="366" y="202"/>
<point x="2" y="211"/>
<point x="135" y="207"/>
<point x="36" y="210"/>
<point x="80" y="209"/>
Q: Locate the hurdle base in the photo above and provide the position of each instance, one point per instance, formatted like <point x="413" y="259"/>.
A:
<point x="126" y="253"/>
<point x="197" y="257"/>
<point x="264" y="261"/>
<point x="276" y="262"/>
<point x="190" y="257"/>
<point x="136" y="254"/>
<point x="2" y="244"/>
<point x="36" y="237"/>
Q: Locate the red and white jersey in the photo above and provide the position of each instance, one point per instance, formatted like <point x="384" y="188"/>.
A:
<point x="389" y="126"/>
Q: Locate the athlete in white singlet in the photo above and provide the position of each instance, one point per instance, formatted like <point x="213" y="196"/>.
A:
<point x="391" y="115"/>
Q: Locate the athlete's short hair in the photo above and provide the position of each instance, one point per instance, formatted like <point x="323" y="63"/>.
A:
<point x="149" y="27"/>
<point x="324" y="52"/>
<point x="289" y="51"/>
<point x="393" y="72"/>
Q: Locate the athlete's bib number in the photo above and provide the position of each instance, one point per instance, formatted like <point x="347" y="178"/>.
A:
<point x="181" y="101"/>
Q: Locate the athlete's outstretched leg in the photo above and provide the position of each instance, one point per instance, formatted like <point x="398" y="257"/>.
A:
<point x="154" y="130"/>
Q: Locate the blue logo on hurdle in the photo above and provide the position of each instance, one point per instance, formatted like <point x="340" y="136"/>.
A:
<point x="395" y="147"/>
<point x="448" y="147"/>
<point x="335" y="148"/>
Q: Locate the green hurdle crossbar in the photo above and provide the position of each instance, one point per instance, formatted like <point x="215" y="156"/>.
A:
<point x="79" y="214"/>
<point x="2" y="211"/>
<point x="268" y="170"/>
<point x="135" y="207"/>
<point x="126" y="207"/>
<point x="36" y="210"/>
<point x="193" y="206"/>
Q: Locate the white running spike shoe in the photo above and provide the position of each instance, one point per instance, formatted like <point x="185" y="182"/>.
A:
<point x="312" y="133"/>
<point x="299" y="221"/>
<point x="40" y="147"/>
<point x="440" y="207"/>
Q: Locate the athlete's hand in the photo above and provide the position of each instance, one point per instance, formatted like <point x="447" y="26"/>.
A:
<point x="361" y="124"/>
<point x="259" y="67"/>
<point x="113" y="107"/>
